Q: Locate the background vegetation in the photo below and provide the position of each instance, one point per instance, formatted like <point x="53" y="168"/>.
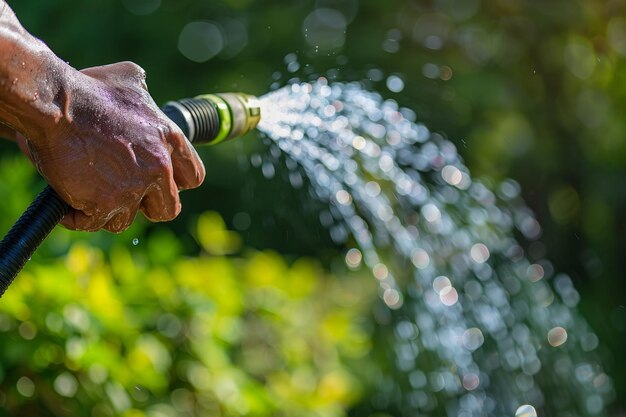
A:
<point x="530" y="90"/>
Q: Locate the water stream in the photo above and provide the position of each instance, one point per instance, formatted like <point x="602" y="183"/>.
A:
<point x="479" y="329"/>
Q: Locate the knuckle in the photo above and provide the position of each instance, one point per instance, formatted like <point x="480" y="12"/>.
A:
<point x="160" y="168"/>
<point x="175" y="135"/>
<point x="200" y="174"/>
<point x="165" y="132"/>
<point x="128" y="71"/>
<point x="134" y="68"/>
<point x="139" y="74"/>
<point x="198" y="178"/>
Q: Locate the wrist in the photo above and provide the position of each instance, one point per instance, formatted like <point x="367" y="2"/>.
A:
<point x="33" y="81"/>
<point x="45" y="96"/>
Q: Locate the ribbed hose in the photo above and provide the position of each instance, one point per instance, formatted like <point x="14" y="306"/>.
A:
<point x="198" y="118"/>
<point x="48" y="208"/>
<point x="27" y="234"/>
<point x="205" y="118"/>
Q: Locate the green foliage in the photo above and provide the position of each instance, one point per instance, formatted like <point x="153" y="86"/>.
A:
<point x="142" y="331"/>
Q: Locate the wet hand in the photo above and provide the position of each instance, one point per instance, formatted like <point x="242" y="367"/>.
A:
<point x="112" y="152"/>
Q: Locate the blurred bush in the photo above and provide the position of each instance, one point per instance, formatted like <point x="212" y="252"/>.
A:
<point x="142" y="330"/>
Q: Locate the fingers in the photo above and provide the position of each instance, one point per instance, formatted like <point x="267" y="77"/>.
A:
<point x="121" y="221"/>
<point x="77" y="220"/>
<point x="146" y="173"/>
<point x="170" y="169"/>
<point x="158" y="204"/>
<point x="188" y="168"/>
<point x="162" y="203"/>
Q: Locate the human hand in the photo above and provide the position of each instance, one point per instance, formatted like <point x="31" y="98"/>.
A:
<point x="111" y="151"/>
<point x="7" y="132"/>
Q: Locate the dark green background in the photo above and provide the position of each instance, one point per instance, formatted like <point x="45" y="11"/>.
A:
<point x="537" y="93"/>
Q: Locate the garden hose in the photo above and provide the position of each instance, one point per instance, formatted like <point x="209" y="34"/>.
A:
<point x="210" y="118"/>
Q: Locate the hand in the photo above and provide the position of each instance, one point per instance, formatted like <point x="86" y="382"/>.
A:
<point x="7" y="132"/>
<point x="112" y="151"/>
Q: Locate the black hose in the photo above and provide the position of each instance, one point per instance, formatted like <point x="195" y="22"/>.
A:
<point x="27" y="234"/>
<point x="48" y="208"/>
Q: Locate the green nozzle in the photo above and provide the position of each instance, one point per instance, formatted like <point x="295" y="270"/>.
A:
<point x="213" y="118"/>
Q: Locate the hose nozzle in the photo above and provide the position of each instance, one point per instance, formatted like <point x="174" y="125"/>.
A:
<point x="214" y="118"/>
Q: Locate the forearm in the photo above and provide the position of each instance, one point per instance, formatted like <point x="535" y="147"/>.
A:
<point x="32" y="79"/>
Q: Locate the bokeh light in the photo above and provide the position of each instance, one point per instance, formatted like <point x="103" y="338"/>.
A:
<point x="200" y="41"/>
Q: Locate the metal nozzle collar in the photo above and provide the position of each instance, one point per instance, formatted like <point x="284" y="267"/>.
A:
<point x="213" y="118"/>
<point x="245" y="111"/>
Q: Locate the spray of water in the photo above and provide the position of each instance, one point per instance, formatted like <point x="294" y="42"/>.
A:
<point x="478" y="328"/>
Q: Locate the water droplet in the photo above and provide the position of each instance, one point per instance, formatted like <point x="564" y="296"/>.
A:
<point x="473" y="339"/>
<point x="535" y="272"/>
<point x="25" y="386"/>
<point x="557" y="336"/>
<point x="526" y="411"/>
<point x="452" y="175"/>
<point x="441" y="283"/>
<point x="420" y="259"/>
<point x="372" y="188"/>
<point x="66" y="385"/>
<point x="449" y="296"/>
<point x="470" y="381"/>
<point x="380" y="271"/>
<point x="354" y="258"/>
<point x="431" y="213"/>
<point x="268" y="170"/>
<point x="479" y="253"/>
<point x="395" y="84"/>
<point x="343" y="197"/>
<point x="392" y="298"/>
<point x="135" y="241"/>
